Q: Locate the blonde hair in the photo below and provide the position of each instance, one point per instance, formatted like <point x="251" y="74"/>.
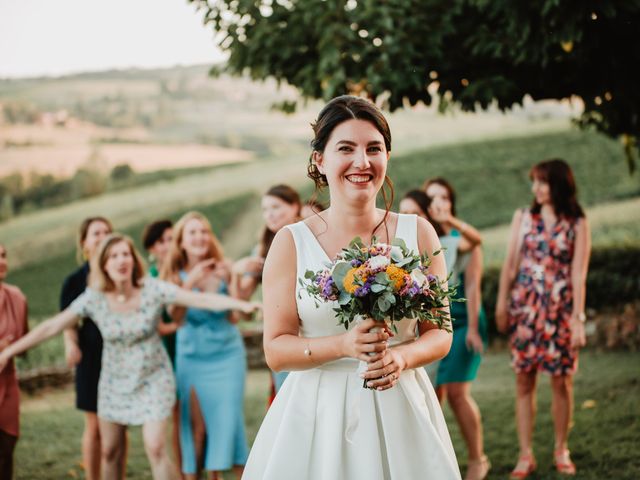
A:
<point x="99" y="278"/>
<point x="177" y="257"/>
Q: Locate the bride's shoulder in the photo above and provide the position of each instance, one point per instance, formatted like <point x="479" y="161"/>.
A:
<point x="427" y="236"/>
<point x="282" y="254"/>
<point x="282" y="241"/>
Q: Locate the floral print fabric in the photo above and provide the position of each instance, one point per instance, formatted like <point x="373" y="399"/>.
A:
<point x="541" y="299"/>
<point x="136" y="382"/>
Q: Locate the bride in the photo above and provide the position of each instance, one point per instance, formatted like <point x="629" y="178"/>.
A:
<point x="323" y="424"/>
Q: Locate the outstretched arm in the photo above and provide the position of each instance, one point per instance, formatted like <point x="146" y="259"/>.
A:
<point x="213" y="301"/>
<point x="45" y="330"/>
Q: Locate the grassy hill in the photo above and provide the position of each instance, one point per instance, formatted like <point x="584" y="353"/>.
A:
<point x="491" y="177"/>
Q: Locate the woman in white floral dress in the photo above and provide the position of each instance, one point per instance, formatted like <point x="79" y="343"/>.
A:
<point x="136" y="386"/>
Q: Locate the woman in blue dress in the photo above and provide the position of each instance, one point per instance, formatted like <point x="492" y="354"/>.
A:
<point x="211" y="363"/>
<point x="460" y="367"/>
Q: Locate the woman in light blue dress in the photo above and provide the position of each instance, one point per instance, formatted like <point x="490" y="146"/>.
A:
<point x="211" y="363"/>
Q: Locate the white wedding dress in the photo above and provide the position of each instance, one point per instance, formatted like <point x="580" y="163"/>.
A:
<point x="324" y="425"/>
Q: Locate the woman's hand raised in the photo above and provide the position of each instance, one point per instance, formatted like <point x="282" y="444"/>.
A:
<point x="198" y="272"/>
<point x="359" y="342"/>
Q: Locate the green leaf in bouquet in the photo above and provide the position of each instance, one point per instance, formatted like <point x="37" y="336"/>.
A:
<point x="356" y="243"/>
<point x="344" y="298"/>
<point x="339" y="272"/>
<point x="383" y="304"/>
<point x="404" y="261"/>
<point x="382" y="278"/>
<point x="377" y="288"/>
<point x="390" y="297"/>
<point x="309" y="275"/>
<point x="378" y="316"/>
<point x="398" y="242"/>
<point x="396" y="255"/>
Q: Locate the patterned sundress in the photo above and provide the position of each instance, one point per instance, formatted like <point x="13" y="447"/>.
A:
<point x="136" y="382"/>
<point x="541" y="299"/>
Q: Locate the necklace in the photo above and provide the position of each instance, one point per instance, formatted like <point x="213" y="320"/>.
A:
<point x="121" y="298"/>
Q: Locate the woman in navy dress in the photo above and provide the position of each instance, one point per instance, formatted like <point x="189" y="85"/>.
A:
<point x="83" y="345"/>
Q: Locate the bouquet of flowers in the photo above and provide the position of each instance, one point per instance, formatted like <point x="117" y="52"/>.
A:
<point x="383" y="282"/>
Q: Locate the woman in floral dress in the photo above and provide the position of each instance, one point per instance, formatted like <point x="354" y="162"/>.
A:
<point x="541" y="303"/>
<point x="136" y="385"/>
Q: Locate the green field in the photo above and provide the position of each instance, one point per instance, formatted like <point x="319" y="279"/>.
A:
<point x="491" y="177"/>
<point x="604" y="442"/>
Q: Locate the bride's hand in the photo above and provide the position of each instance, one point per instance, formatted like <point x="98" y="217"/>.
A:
<point x="384" y="373"/>
<point x="359" y="343"/>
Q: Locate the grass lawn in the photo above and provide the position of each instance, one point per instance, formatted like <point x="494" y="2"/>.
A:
<point x="604" y="441"/>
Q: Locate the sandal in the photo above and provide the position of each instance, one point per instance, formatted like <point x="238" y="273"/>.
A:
<point x="563" y="463"/>
<point x="525" y="467"/>
<point x="478" y="469"/>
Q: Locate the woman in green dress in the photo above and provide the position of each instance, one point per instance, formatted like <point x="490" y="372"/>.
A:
<point x="452" y="376"/>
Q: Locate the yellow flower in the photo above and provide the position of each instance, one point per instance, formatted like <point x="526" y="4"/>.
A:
<point x="396" y="274"/>
<point x="350" y="279"/>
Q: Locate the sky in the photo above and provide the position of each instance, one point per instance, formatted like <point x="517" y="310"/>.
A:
<point x="57" y="37"/>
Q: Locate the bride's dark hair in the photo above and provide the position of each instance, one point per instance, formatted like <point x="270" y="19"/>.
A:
<point x="337" y="111"/>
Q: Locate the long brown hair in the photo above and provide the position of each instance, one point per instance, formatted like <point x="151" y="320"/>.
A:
<point x="83" y="231"/>
<point x="288" y="195"/>
<point x="99" y="279"/>
<point x="562" y="185"/>
<point x="337" y="111"/>
<point x="452" y="198"/>
<point x="177" y="257"/>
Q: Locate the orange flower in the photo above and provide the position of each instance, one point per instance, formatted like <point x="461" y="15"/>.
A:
<point x="353" y="275"/>
<point x="396" y="274"/>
